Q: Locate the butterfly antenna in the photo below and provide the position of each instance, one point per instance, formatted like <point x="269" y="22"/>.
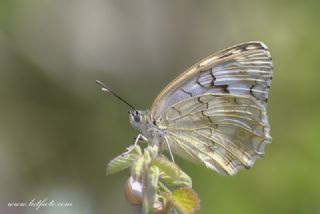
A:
<point x="104" y="88"/>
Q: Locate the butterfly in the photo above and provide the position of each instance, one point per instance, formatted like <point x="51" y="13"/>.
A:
<point x="214" y="113"/>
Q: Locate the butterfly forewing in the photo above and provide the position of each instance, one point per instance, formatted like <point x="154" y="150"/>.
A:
<point x="215" y="112"/>
<point x="245" y="69"/>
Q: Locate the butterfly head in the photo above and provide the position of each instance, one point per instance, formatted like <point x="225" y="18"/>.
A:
<point x="136" y="118"/>
<point x="142" y="121"/>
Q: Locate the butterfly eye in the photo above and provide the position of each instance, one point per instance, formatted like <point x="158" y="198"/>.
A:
<point x="137" y="118"/>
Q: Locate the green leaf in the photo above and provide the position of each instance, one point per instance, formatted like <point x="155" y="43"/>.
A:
<point x="167" y="168"/>
<point x="151" y="190"/>
<point x="185" y="200"/>
<point x="147" y="156"/>
<point x="171" y="174"/>
<point x="136" y="149"/>
<point x="137" y="167"/>
<point x="153" y="151"/>
<point x="122" y="161"/>
<point x="183" y="181"/>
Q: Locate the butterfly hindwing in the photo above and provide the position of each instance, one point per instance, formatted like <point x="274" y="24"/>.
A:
<point x="224" y="132"/>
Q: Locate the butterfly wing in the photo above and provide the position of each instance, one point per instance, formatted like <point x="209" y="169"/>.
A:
<point x="215" y="112"/>
<point x="224" y="132"/>
<point x="244" y="69"/>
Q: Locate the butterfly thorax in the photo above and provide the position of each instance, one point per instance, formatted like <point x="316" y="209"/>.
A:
<point x="142" y="121"/>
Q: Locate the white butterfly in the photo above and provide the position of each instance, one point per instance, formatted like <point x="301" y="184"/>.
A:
<point x="215" y="112"/>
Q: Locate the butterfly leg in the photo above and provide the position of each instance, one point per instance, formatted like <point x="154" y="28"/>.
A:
<point x="169" y="148"/>
<point x="140" y="137"/>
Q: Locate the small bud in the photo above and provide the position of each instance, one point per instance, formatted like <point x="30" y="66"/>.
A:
<point x="133" y="191"/>
<point x="158" y="208"/>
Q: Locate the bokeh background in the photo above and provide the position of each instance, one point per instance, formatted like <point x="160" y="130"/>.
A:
<point x="58" y="130"/>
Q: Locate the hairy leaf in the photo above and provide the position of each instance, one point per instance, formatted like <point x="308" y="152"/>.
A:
<point x="121" y="162"/>
<point x="185" y="200"/>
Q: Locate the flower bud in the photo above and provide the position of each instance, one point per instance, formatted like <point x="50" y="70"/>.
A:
<point x="133" y="191"/>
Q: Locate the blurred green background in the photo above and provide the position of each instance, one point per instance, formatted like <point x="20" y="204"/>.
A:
<point x="58" y="130"/>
